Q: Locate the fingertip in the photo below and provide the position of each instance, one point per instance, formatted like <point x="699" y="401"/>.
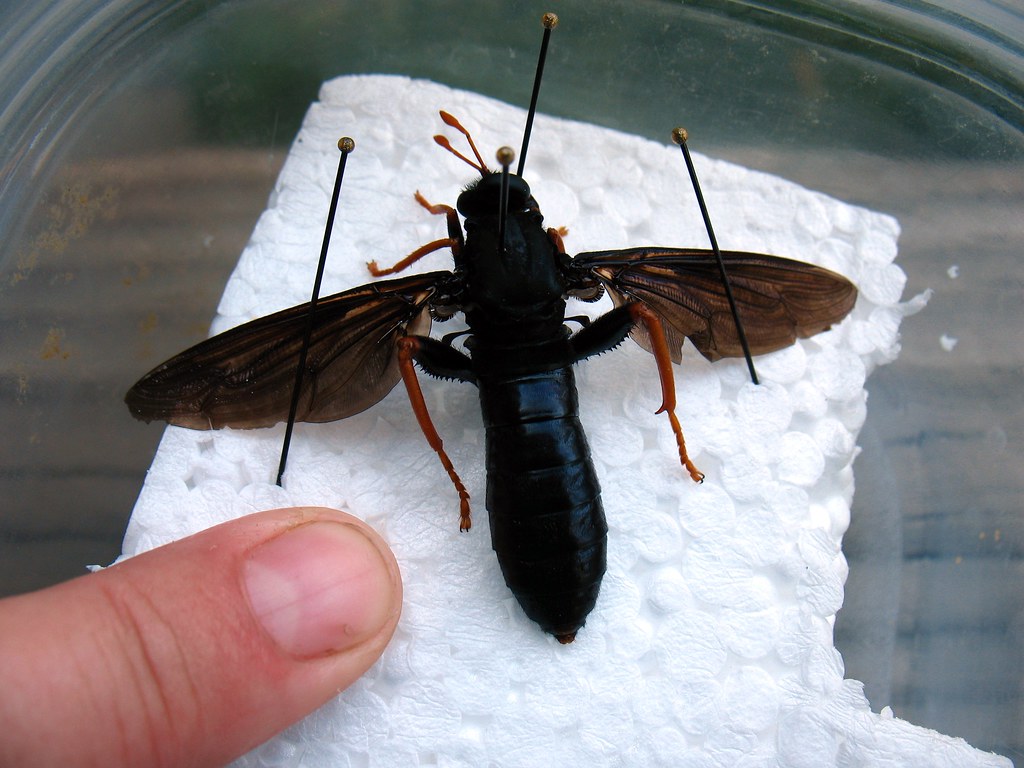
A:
<point x="204" y="648"/>
<point x="323" y="587"/>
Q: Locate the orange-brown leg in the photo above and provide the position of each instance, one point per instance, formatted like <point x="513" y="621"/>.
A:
<point x="556" y="234"/>
<point x="641" y="313"/>
<point x="453" y="241"/>
<point x="407" y="348"/>
<point x="412" y="258"/>
<point x="439" y="209"/>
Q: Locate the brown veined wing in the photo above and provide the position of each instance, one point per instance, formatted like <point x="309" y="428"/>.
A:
<point x="778" y="300"/>
<point x="244" y="377"/>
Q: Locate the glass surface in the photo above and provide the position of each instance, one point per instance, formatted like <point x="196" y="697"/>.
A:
<point x="140" y="141"/>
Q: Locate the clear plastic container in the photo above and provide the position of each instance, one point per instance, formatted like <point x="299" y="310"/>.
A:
<point x="140" y="141"/>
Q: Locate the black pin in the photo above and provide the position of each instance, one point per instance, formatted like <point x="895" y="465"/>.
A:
<point x="346" y="145"/>
<point x="679" y="136"/>
<point x="550" y="21"/>
<point x="505" y="156"/>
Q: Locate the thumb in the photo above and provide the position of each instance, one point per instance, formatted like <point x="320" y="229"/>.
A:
<point x="195" y="652"/>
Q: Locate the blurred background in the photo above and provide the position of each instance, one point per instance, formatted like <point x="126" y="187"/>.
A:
<point x="140" y="140"/>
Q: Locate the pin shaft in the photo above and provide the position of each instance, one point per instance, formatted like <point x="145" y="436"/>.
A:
<point x="679" y="136"/>
<point x="345" y="145"/>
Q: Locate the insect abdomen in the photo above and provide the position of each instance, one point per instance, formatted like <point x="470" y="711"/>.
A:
<point x="543" y="500"/>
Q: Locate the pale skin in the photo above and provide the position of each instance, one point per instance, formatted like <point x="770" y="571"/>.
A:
<point x="196" y="652"/>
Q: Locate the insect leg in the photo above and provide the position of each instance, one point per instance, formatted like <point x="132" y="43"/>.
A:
<point x="581" y="320"/>
<point x="640" y="313"/>
<point x="454" y="240"/>
<point x="419" y="253"/>
<point x="609" y="330"/>
<point x="441" y="360"/>
<point x="408" y="348"/>
<point x="451" y="216"/>
<point x="556" y="234"/>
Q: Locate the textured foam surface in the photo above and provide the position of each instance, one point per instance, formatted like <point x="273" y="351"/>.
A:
<point x="711" y="643"/>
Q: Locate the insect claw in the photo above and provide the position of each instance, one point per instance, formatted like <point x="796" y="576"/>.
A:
<point x="695" y="474"/>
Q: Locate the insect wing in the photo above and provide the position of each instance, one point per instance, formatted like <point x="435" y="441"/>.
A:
<point x="244" y="377"/>
<point x="779" y="300"/>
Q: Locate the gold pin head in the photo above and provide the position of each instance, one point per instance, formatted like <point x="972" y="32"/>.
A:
<point x="505" y="156"/>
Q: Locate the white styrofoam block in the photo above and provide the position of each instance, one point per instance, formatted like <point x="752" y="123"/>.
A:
<point x="711" y="643"/>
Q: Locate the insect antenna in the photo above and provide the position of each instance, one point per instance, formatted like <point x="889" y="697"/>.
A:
<point x="346" y="145"/>
<point x="505" y="156"/>
<point x="679" y="136"/>
<point x="442" y="141"/>
<point x="550" y="21"/>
